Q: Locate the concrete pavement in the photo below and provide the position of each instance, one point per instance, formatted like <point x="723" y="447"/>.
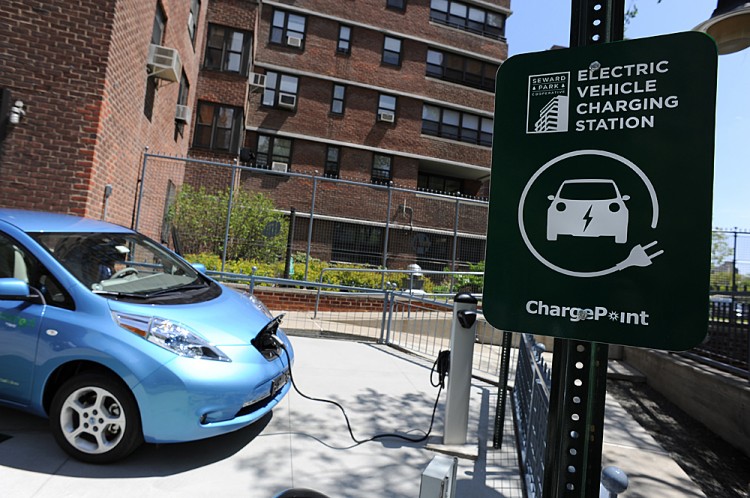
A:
<point x="304" y="443"/>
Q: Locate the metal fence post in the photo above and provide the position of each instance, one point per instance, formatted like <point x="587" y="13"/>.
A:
<point x="229" y="218"/>
<point x="310" y="223"/>
<point x="502" y="388"/>
<point x="387" y="231"/>
<point x="140" y="189"/>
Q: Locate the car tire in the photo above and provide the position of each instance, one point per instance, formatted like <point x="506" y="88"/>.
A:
<point x="94" y="418"/>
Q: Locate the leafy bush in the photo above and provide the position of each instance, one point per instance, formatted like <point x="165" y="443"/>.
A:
<point x="200" y="219"/>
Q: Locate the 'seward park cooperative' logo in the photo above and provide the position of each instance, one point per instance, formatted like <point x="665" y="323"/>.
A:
<point x="548" y="103"/>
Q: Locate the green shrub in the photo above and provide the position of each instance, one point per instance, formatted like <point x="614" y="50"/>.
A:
<point x="256" y="230"/>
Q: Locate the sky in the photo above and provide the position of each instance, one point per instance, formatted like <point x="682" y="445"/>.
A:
<point x="536" y="25"/>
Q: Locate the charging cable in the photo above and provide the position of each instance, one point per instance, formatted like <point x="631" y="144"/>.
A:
<point x="441" y="365"/>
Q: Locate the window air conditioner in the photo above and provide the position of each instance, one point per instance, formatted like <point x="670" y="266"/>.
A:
<point x="439" y="478"/>
<point x="279" y="166"/>
<point x="294" y="41"/>
<point x="386" y="116"/>
<point x="287" y="100"/>
<point x="182" y="113"/>
<point x="257" y="79"/>
<point x="164" y="63"/>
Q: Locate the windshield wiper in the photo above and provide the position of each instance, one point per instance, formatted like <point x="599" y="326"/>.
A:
<point x="119" y="294"/>
<point x="177" y="289"/>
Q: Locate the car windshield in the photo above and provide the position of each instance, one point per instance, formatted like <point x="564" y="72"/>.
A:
<point x="126" y="264"/>
<point x="588" y="191"/>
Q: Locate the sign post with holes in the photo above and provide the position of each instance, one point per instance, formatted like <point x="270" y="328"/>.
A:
<point x="600" y="213"/>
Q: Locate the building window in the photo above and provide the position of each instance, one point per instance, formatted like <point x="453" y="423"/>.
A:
<point x="272" y="149"/>
<point x="218" y="127"/>
<point x="288" y="29"/>
<point x="333" y="162"/>
<point x="461" y="70"/>
<point x="182" y="100"/>
<point x="281" y="90"/>
<point x="391" y="51"/>
<point x="437" y="183"/>
<point x="337" y="101"/>
<point x="386" y="108"/>
<point x="160" y="24"/>
<point x="195" y="9"/>
<point x="227" y="50"/>
<point x="469" y="18"/>
<point x="455" y="125"/>
<point x="381" y="168"/>
<point x="357" y="244"/>
<point x="396" y="4"/>
<point x="345" y="39"/>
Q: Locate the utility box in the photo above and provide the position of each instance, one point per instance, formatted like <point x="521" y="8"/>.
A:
<point x="439" y="478"/>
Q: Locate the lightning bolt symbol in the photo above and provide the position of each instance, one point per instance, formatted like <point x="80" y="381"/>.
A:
<point x="588" y="218"/>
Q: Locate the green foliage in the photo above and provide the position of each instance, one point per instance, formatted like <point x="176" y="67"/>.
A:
<point x="720" y="250"/>
<point x="471" y="283"/>
<point x="366" y="279"/>
<point x="200" y="219"/>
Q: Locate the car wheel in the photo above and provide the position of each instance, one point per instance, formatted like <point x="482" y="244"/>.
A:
<point x="95" y="418"/>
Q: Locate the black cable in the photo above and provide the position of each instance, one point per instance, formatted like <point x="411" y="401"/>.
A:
<point x="346" y="417"/>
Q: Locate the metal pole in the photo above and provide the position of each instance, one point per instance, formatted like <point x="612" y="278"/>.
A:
<point x="502" y="395"/>
<point x="289" y="241"/>
<point x="310" y="223"/>
<point x="387" y="231"/>
<point x="455" y="235"/>
<point x="229" y="217"/>
<point x="575" y="426"/>
<point x="140" y="190"/>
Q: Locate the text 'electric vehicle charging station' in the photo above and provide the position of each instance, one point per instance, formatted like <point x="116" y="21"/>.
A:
<point x="600" y="203"/>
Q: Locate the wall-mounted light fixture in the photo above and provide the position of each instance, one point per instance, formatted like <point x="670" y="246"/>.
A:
<point x="16" y="112"/>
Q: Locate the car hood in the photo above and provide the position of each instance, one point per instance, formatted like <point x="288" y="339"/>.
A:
<point x="229" y="319"/>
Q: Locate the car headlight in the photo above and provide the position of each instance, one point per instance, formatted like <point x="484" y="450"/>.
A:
<point x="259" y="304"/>
<point x="170" y="335"/>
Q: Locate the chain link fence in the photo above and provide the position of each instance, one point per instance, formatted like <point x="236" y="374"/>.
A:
<point x="323" y="220"/>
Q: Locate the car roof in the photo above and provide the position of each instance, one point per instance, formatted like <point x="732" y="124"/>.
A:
<point x="39" y="221"/>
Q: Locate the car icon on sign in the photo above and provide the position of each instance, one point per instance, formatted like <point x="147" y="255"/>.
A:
<point x="588" y="208"/>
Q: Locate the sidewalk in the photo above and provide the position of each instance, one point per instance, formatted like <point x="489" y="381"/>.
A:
<point x="305" y="443"/>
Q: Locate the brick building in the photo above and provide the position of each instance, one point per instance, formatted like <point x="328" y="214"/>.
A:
<point x="386" y="92"/>
<point x="91" y="101"/>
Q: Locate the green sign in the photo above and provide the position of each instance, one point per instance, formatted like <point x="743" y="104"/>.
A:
<point x="600" y="203"/>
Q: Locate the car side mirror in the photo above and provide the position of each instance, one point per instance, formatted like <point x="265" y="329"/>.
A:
<point x="625" y="197"/>
<point x="200" y="267"/>
<point x="551" y="197"/>
<point x="13" y="289"/>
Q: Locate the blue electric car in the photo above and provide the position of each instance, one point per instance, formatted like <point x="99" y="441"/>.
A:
<point x="117" y="340"/>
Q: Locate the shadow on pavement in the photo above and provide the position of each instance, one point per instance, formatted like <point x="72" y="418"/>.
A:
<point x="31" y="447"/>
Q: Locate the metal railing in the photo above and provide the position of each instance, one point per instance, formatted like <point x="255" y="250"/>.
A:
<point x="531" y="404"/>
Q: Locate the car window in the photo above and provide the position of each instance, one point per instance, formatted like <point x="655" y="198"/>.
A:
<point x="588" y="191"/>
<point x="125" y="265"/>
<point x="17" y="262"/>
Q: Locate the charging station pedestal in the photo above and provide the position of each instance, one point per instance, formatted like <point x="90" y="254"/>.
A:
<point x="463" y="332"/>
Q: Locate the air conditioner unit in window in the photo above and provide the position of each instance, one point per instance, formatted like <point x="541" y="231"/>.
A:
<point x="257" y="79"/>
<point x="164" y="63"/>
<point x="287" y="100"/>
<point x="386" y="116"/>
<point x="279" y="166"/>
<point x="294" y="41"/>
<point x="182" y="113"/>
